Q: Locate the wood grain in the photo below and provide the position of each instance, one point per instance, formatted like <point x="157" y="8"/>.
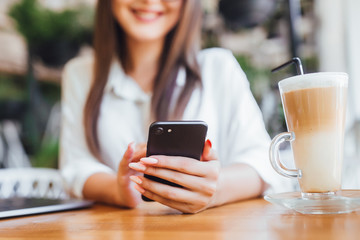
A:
<point x="254" y="219"/>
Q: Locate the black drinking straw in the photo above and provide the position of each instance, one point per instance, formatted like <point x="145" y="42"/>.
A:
<point x="296" y="61"/>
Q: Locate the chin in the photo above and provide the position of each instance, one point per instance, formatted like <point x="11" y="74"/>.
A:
<point x="147" y="36"/>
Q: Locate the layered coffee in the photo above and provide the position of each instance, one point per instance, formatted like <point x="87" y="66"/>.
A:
<point x="316" y="115"/>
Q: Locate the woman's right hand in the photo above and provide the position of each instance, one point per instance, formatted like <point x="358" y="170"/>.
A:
<point x="128" y="196"/>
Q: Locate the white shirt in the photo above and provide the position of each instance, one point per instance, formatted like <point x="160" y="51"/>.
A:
<point x="235" y="124"/>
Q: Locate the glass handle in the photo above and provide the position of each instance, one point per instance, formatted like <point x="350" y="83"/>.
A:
<point x="274" y="155"/>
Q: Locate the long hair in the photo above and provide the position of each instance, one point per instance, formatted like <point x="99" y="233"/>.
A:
<point x="181" y="46"/>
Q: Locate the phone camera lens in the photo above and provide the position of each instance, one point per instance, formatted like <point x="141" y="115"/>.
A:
<point x="159" y="131"/>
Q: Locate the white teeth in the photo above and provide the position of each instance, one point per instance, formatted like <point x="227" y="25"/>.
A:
<point x="147" y="15"/>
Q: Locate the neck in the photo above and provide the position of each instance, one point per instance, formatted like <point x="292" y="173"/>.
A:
<point x="144" y="58"/>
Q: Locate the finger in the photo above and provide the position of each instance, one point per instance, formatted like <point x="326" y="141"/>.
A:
<point x="138" y="167"/>
<point x="194" y="183"/>
<point x="182" y="207"/>
<point x="211" y="155"/>
<point x="163" y="191"/>
<point x="155" y="197"/>
<point x="208" y="152"/>
<point x="140" y="151"/>
<point x="139" y="189"/>
<point x="123" y="169"/>
<point x="128" y="155"/>
<point x="181" y="164"/>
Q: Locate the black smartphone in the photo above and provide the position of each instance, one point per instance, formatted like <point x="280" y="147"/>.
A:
<point x="175" y="138"/>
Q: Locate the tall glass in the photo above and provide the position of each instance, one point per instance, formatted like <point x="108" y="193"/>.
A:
<point x="314" y="106"/>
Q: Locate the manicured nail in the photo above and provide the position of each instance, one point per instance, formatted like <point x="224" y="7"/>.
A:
<point x="209" y="143"/>
<point x="140" y="189"/>
<point x="136" y="179"/>
<point x="137" y="166"/>
<point x="148" y="160"/>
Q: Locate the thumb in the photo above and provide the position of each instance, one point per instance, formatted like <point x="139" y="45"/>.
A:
<point x="128" y="155"/>
<point x="208" y="152"/>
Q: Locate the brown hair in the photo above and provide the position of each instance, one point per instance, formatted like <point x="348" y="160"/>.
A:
<point x="180" y="49"/>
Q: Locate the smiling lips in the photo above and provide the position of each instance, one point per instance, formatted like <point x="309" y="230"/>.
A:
<point x="146" y="15"/>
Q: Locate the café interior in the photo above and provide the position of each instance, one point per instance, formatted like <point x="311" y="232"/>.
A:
<point x="38" y="37"/>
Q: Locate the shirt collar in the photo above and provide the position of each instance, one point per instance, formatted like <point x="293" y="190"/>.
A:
<point x="181" y="77"/>
<point x="123" y="86"/>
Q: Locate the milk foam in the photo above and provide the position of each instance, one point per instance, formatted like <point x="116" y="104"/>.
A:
<point x="306" y="81"/>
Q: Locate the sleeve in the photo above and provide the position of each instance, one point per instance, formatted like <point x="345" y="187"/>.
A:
<point x="76" y="161"/>
<point x="246" y="134"/>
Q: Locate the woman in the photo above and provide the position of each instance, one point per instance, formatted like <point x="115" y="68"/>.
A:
<point x="146" y="67"/>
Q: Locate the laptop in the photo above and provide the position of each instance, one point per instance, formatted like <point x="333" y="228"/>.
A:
<point x="20" y="206"/>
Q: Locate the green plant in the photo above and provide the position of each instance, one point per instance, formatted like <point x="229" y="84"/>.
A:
<point x="12" y="89"/>
<point x="47" y="31"/>
<point x="47" y="155"/>
<point x="259" y="78"/>
<point x="54" y="37"/>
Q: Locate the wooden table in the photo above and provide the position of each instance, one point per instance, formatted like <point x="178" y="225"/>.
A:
<point x="254" y="219"/>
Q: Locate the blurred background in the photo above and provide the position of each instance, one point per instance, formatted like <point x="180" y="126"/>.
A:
<point x="37" y="37"/>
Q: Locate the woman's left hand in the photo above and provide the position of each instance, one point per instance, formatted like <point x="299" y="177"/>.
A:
<point x="198" y="178"/>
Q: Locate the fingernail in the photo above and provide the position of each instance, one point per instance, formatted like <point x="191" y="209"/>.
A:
<point x="136" y="179"/>
<point x="149" y="160"/>
<point x="137" y="166"/>
<point x="209" y="142"/>
<point x="140" y="189"/>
